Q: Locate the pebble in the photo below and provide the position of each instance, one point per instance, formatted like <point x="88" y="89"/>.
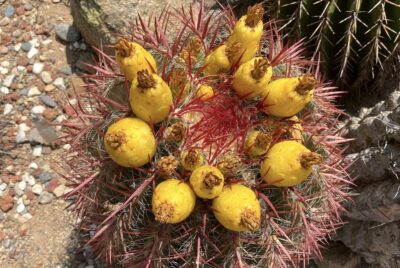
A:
<point x="17" y="47"/>
<point x="46" y="77"/>
<point x="22" y="185"/>
<point x="39" y="109"/>
<point x="49" y="88"/>
<point x="37" y="150"/>
<point x="5" y="64"/>
<point x="55" y="1"/>
<point x="32" y="53"/>
<point x="3" y="50"/>
<point x="4" y="90"/>
<point x="28" y="7"/>
<point x="59" y="83"/>
<point x="7" y="108"/>
<point x="9" y="11"/>
<point x="59" y="190"/>
<point x="83" y="46"/>
<point x="26" y="46"/>
<point x="47" y="100"/>
<point x="45" y="177"/>
<point x="3" y="70"/>
<point x="21" y="208"/>
<point x="20" y="137"/>
<point x="5" y="21"/>
<point x="17" y="33"/>
<point x="45" y="198"/>
<point x="37" y="189"/>
<point x="37" y="67"/>
<point x="34" y="91"/>
<point x="27" y="216"/>
<point x="67" y="70"/>
<point x="3" y="186"/>
<point x="8" y="81"/>
<point x="67" y="33"/>
<point x="33" y="165"/>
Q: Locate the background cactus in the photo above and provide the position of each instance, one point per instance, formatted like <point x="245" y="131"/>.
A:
<point x="352" y="38"/>
<point x="114" y="203"/>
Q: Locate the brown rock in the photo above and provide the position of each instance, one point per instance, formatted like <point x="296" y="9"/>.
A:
<point x="2" y="236"/>
<point x="11" y="192"/>
<point x="6" y="203"/>
<point x="22" y="61"/>
<point x="50" y="114"/>
<point x="29" y="69"/>
<point x="13" y="96"/>
<point x="52" y="185"/>
<point x="5" y="39"/>
<point x="30" y="195"/>
<point x="69" y="110"/>
<point x="23" y="229"/>
<point x="20" y="10"/>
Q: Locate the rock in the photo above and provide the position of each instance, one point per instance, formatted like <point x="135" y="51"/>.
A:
<point x="32" y="53"/>
<point x="45" y="198"/>
<point x="45" y="177"/>
<point x="38" y="109"/>
<point x="3" y="186"/>
<point x="49" y="88"/>
<point x="8" y="80"/>
<point x="6" y="203"/>
<point x="47" y="100"/>
<point x="4" y="90"/>
<point x="4" y="50"/>
<point x="55" y="1"/>
<point x="33" y="165"/>
<point x="20" y="11"/>
<point x="37" y="150"/>
<point x="50" y="114"/>
<point x="59" y="83"/>
<point x="28" y="7"/>
<point x="21" y="185"/>
<point x="67" y="70"/>
<point x="21" y="136"/>
<point x="37" y="189"/>
<point x="20" y="208"/>
<point x="7" y="108"/>
<point x="9" y="11"/>
<point x="34" y="91"/>
<point x="37" y="67"/>
<point x="46" y="77"/>
<point x="67" y="33"/>
<point x="59" y="191"/>
<point x="5" y="21"/>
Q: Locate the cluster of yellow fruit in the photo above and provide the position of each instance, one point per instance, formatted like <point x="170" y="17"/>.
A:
<point x="130" y="142"/>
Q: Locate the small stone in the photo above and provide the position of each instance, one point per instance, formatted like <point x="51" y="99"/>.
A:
<point x="46" y="77"/>
<point x="20" y="10"/>
<point x="26" y="46"/>
<point x="9" y="11"/>
<point x="39" y="109"/>
<point x="6" y="203"/>
<point x="67" y="70"/>
<point x="59" y="191"/>
<point x="3" y="50"/>
<point x="21" y="185"/>
<point x="34" y="91"/>
<point x="22" y="61"/>
<point x="45" y="198"/>
<point x="20" y="137"/>
<point x="32" y="53"/>
<point x="47" y="100"/>
<point x="69" y="109"/>
<point x="17" y="47"/>
<point x="23" y="229"/>
<point x="33" y="165"/>
<point x="67" y="33"/>
<point x="31" y="180"/>
<point x="27" y="216"/>
<point x="5" y="63"/>
<point x="7" y="108"/>
<point x="21" y="208"/>
<point x="50" y="114"/>
<point x="5" y="21"/>
<point x="4" y="90"/>
<point x="37" y="189"/>
<point x="17" y="33"/>
<point x="83" y="46"/>
<point x="67" y="147"/>
<point x="49" y="88"/>
<point x="37" y="150"/>
<point x="2" y="235"/>
<point x="59" y="83"/>
<point x="53" y="184"/>
<point x="55" y="1"/>
<point x="8" y="81"/>
<point x="3" y="70"/>
<point x="3" y="186"/>
<point x="37" y="67"/>
<point x="45" y="177"/>
<point x="28" y="7"/>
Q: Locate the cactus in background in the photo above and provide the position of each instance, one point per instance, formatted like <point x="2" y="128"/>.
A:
<point x="352" y="38"/>
<point x="200" y="198"/>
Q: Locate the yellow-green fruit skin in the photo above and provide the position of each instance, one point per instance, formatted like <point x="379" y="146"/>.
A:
<point x="281" y="99"/>
<point x="245" y="85"/>
<point x="197" y="182"/>
<point x="217" y="62"/>
<point x="248" y="37"/>
<point x="153" y="104"/>
<point x="176" y="193"/>
<point x="282" y="167"/>
<point x="140" y="144"/>
<point x="251" y="149"/>
<point x="141" y="60"/>
<point x="231" y="203"/>
<point x="205" y="92"/>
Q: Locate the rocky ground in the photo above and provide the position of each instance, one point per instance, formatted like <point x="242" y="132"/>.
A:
<point x="40" y="57"/>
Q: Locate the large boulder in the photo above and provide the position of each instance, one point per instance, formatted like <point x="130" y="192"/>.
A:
<point x="101" y="22"/>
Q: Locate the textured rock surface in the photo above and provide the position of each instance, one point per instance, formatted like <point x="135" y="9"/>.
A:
<point x="102" y="21"/>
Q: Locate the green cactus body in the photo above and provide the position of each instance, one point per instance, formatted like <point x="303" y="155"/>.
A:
<point x="353" y="38"/>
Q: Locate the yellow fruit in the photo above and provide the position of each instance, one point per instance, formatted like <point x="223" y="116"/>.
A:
<point x="150" y="97"/>
<point x="217" y="61"/>
<point x="252" y="77"/>
<point x="132" y="58"/>
<point x="207" y="182"/>
<point x="237" y="208"/>
<point x="173" y="201"/>
<point x="257" y="143"/>
<point x="288" y="163"/>
<point x="130" y="142"/>
<point x="248" y="32"/>
<point x="191" y="159"/>
<point x="205" y="92"/>
<point x="286" y="97"/>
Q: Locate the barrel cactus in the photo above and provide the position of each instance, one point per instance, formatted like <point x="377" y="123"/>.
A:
<point x="353" y="39"/>
<point x="228" y="176"/>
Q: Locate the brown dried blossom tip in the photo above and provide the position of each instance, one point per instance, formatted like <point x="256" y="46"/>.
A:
<point x="263" y="140"/>
<point x="164" y="212"/>
<point x="306" y="84"/>
<point x="192" y="49"/>
<point x="250" y="220"/>
<point x="307" y="160"/>
<point x="176" y="132"/>
<point x="254" y="15"/>
<point x="167" y="165"/>
<point x="115" y="139"/>
<point x="229" y="164"/>
<point x="211" y="180"/>
<point x="233" y="51"/>
<point x="178" y="79"/>
<point x="124" y="48"/>
<point x="260" y="68"/>
<point x="145" y="79"/>
<point x="191" y="158"/>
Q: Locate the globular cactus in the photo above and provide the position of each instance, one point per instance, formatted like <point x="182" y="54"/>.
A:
<point x="201" y="195"/>
<point x="352" y="38"/>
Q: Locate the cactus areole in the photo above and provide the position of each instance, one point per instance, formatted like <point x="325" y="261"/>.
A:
<point x="201" y="151"/>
